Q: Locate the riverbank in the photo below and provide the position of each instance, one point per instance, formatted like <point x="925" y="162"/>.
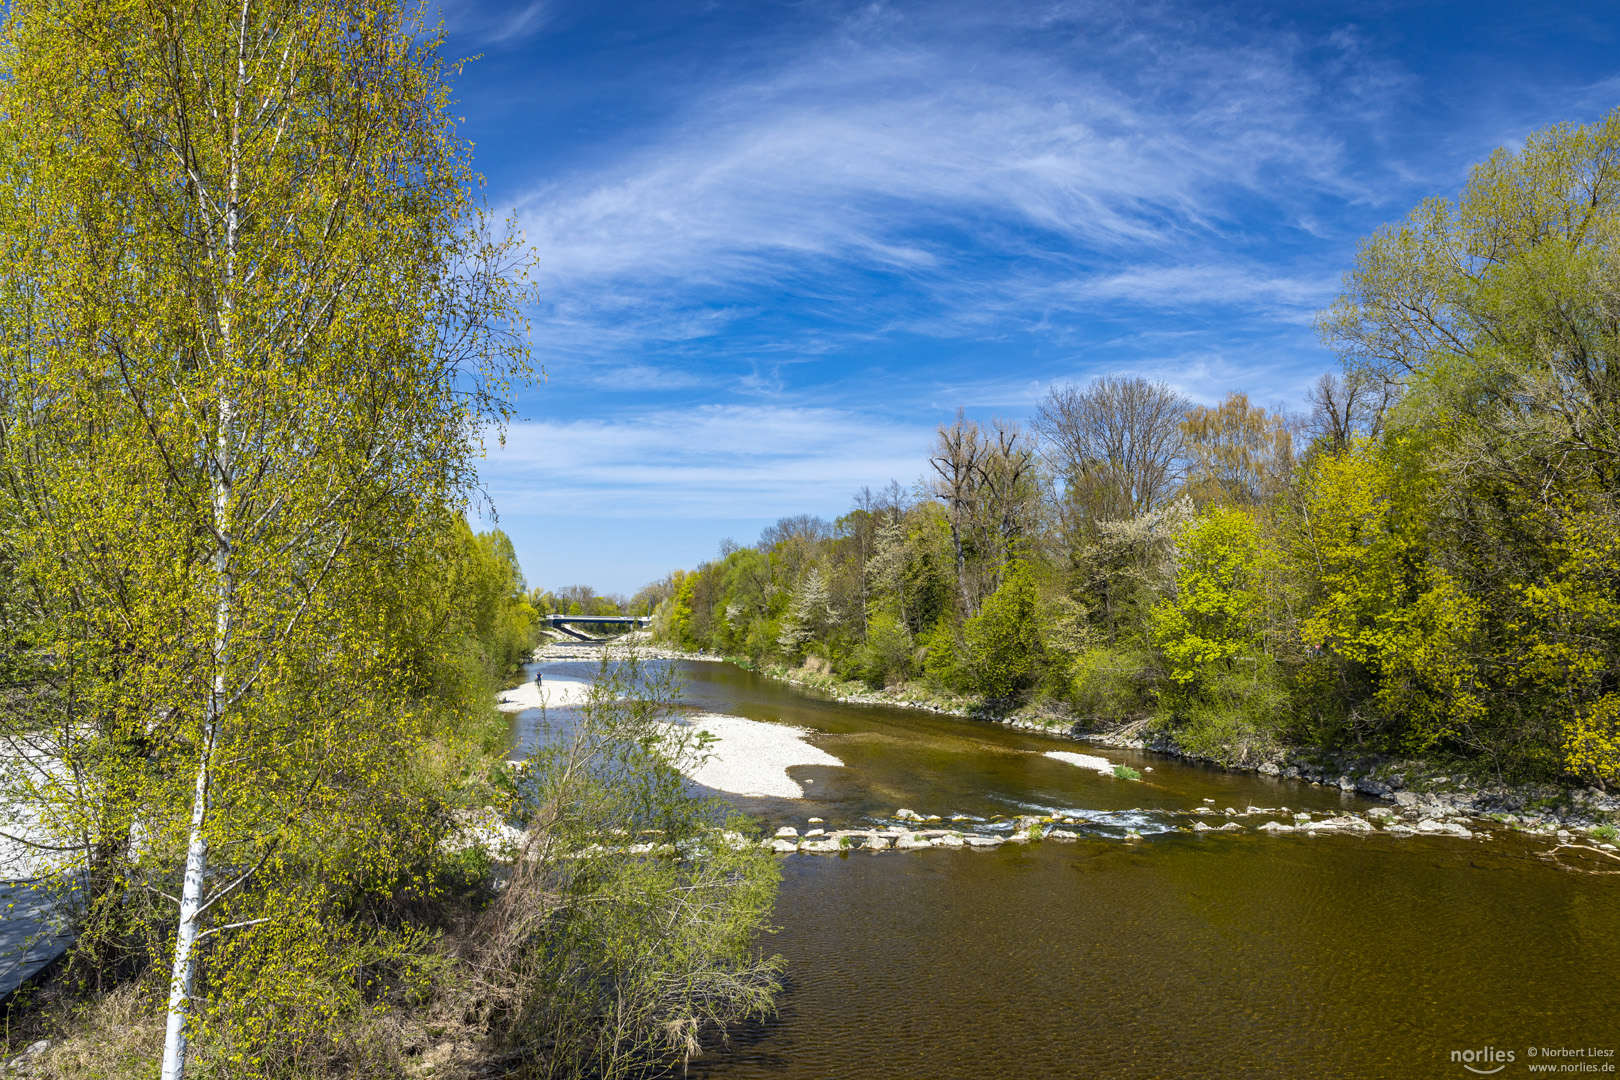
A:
<point x="1408" y="782"/>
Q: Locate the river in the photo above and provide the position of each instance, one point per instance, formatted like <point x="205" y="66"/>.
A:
<point x="1179" y="955"/>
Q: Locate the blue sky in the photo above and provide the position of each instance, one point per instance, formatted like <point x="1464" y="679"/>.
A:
<point x="778" y="243"/>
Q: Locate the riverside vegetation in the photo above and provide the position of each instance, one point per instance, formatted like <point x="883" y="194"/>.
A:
<point x="1425" y="565"/>
<point x="255" y="326"/>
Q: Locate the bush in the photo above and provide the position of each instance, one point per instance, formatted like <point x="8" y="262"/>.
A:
<point x="1236" y="718"/>
<point x="886" y="654"/>
<point x="1125" y="772"/>
<point x="1109" y="686"/>
<point x="1003" y="639"/>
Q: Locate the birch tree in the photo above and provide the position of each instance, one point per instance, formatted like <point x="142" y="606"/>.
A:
<point x="253" y="324"/>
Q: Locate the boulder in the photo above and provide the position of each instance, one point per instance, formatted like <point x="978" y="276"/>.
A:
<point x="1276" y="827"/>
<point x="782" y="847"/>
<point x="952" y="840"/>
<point x="1354" y="824"/>
<point x="815" y="832"/>
<point x="982" y="841"/>
<point x="828" y="846"/>
<point x="787" y="831"/>
<point x="1062" y="834"/>
<point x="878" y="842"/>
<point x="912" y="842"/>
<point x="1433" y="826"/>
<point x="907" y="815"/>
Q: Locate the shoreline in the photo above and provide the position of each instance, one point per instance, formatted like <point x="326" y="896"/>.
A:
<point x="1544" y="808"/>
<point x="1409" y="783"/>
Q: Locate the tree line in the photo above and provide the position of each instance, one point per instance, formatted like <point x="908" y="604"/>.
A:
<point x="1426" y="561"/>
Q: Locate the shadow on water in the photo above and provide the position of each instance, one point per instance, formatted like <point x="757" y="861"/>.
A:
<point x="1178" y="956"/>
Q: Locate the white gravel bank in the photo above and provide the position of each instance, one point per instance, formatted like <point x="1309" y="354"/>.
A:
<point x="554" y="694"/>
<point x="1084" y="761"/>
<point x="752" y="757"/>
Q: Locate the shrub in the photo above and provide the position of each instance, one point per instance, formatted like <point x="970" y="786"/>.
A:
<point x="1110" y="685"/>
<point x="1003" y="639"/>
<point x="886" y="654"/>
<point x="1125" y="772"/>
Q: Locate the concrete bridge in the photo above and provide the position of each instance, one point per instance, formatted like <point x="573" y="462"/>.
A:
<point x="563" y="623"/>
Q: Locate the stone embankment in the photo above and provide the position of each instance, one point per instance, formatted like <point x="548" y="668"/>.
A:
<point x="1544" y="808"/>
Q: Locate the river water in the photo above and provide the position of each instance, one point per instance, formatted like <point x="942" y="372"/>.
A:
<point x="1179" y="955"/>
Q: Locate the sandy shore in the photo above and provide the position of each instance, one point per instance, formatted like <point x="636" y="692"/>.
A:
<point x="1084" y="761"/>
<point x="752" y="757"/>
<point x="553" y="694"/>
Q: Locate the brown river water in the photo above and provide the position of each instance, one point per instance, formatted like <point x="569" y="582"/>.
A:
<point x="1229" y="955"/>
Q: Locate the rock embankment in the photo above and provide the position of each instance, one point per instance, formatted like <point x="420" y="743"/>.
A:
<point x="1544" y="808"/>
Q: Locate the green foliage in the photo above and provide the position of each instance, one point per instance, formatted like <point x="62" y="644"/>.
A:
<point x="940" y="649"/>
<point x="1109" y="686"/>
<point x="626" y="929"/>
<point x="1003" y="642"/>
<point x="886" y="655"/>
<point x="1125" y="772"/>
<point x="1215" y="620"/>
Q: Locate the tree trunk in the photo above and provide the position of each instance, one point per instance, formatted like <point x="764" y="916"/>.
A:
<point x="192" y="905"/>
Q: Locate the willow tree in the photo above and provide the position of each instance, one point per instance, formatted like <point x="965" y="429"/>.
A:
<point x="253" y="326"/>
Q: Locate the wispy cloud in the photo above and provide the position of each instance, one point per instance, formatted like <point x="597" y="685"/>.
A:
<point x="914" y="172"/>
<point x="709" y="462"/>
<point x="496" y="23"/>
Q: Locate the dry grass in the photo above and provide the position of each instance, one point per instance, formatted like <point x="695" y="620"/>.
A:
<point x="113" y="1036"/>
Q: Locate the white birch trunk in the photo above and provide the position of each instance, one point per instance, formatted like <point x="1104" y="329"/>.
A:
<point x="182" y="978"/>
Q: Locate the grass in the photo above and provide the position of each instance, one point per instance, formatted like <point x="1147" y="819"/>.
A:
<point x="114" y="1036"/>
<point x="1125" y="772"/>
<point x="1607" y="833"/>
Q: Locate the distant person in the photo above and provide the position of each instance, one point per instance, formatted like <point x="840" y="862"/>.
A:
<point x="539" y="678"/>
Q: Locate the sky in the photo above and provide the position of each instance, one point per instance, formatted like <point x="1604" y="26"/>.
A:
<point x="776" y="244"/>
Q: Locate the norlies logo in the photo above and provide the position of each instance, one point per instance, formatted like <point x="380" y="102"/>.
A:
<point x="1476" y="1060"/>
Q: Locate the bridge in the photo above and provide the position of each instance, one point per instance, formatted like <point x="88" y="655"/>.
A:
<point x="561" y="622"/>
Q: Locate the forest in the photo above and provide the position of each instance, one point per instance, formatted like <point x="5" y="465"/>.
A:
<point x="1426" y="560"/>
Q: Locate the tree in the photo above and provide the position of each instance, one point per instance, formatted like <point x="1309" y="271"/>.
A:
<point x="1343" y="409"/>
<point x="252" y="329"/>
<point x="1116" y="444"/>
<point x="1004" y="640"/>
<point x="1495" y="316"/>
<point x="1238" y="454"/>
<point x="808" y="616"/>
<point x="959" y="451"/>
